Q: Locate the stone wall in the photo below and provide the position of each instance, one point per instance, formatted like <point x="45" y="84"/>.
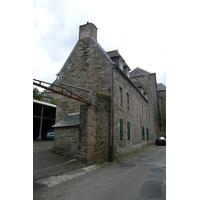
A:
<point x="66" y="141"/>
<point x="149" y="81"/>
<point x="89" y="142"/>
<point x="87" y="67"/>
<point x="137" y="113"/>
<point x="162" y="102"/>
<point x="95" y="131"/>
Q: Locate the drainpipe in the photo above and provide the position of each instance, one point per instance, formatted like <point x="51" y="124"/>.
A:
<point x="72" y="85"/>
<point x="111" y="119"/>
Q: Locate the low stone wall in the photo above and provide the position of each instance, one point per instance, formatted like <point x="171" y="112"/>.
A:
<point x="66" y="141"/>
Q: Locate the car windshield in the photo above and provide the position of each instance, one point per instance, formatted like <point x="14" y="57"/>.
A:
<point x="50" y="133"/>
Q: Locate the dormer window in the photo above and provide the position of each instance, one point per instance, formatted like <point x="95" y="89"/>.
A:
<point x="119" y="61"/>
<point x="121" y="64"/>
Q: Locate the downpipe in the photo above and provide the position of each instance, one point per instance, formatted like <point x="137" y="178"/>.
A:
<point x="111" y="118"/>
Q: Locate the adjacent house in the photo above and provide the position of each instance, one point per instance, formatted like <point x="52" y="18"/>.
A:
<point x="122" y="114"/>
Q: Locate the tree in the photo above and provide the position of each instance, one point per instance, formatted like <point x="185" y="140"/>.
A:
<point x="37" y="94"/>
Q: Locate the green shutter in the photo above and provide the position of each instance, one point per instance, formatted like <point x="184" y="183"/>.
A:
<point x="121" y="129"/>
<point x="128" y="130"/>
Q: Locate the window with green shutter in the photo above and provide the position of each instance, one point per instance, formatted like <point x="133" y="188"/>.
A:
<point x="128" y="130"/>
<point x="121" y="129"/>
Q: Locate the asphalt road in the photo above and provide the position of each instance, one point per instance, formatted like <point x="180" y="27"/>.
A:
<point x="140" y="176"/>
<point x="46" y="163"/>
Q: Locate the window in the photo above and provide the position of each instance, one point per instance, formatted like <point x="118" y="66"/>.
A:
<point x="128" y="130"/>
<point x="121" y="129"/>
<point x="142" y="111"/>
<point x="147" y="131"/>
<point x="127" y="94"/>
<point x="120" y="96"/>
<point x="143" y="133"/>
<point x="149" y="116"/>
<point x="146" y="114"/>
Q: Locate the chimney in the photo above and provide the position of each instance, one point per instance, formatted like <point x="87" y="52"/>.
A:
<point x="88" y="30"/>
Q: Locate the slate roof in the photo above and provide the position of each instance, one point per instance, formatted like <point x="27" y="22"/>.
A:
<point x="70" y="120"/>
<point x="160" y="87"/>
<point x="115" y="53"/>
<point x="137" y="72"/>
<point x="139" y="84"/>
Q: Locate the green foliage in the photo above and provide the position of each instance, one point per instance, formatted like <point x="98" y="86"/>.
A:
<point x="160" y="119"/>
<point x="53" y="101"/>
<point x="37" y="94"/>
<point x="103" y="96"/>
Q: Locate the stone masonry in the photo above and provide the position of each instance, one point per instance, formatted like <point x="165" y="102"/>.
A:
<point x="89" y="67"/>
<point x="137" y="113"/>
<point x="86" y="67"/>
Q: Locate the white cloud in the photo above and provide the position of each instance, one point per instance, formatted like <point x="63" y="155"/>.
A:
<point x="43" y="18"/>
<point x="43" y="68"/>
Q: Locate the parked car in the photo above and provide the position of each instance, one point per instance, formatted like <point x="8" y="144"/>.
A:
<point x="49" y="135"/>
<point x="160" y="140"/>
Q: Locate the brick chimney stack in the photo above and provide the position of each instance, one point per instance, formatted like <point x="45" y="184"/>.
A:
<point x="88" y="30"/>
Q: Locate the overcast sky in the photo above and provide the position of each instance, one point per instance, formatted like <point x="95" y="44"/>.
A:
<point x="135" y="28"/>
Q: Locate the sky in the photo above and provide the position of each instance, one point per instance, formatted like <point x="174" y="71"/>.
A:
<point x="137" y="29"/>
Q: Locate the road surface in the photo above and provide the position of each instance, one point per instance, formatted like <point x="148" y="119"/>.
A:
<point x="139" y="176"/>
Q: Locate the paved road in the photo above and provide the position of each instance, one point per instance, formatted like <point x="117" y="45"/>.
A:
<point x="46" y="163"/>
<point x="140" y="176"/>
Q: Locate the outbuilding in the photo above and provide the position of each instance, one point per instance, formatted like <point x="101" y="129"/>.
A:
<point x="43" y="118"/>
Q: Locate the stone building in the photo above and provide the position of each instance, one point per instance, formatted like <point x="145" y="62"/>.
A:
<point x="161" y="89"/>
<point x="122" y="114"/>
<point x="161" y="92"/>
<point x="147" y="84"/>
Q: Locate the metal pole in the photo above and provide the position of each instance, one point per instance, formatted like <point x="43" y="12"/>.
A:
<point x="41" y="118"/>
